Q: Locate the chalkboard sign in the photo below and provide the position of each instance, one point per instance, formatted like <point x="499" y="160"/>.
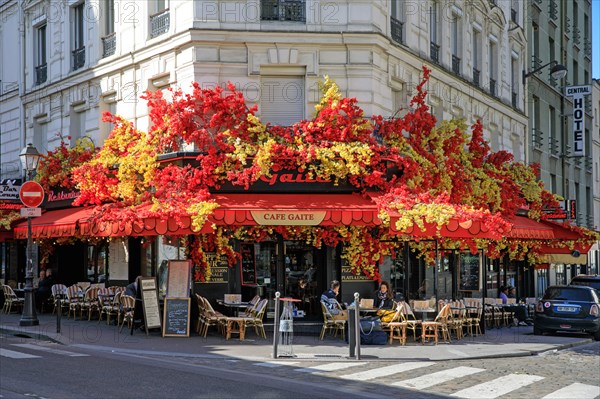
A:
<point x="149" y="302"/>
<point x="176" y="317"/>
<point x="469" y="271"/>
<point x="219" y="268"/>
<point x="248" y="264"/>
<point x="178" y="279"/>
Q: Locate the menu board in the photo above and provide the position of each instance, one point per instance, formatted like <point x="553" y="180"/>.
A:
<point x="176" y="317"/>
<point x="248" y="264"/>
<point x="150" y="302"/>
<point x="219" y="269"/>
<point x="178" y="279"/>
<point x="469" y="271"/>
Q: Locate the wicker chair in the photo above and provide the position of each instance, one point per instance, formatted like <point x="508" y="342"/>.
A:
<point x="11" y="299"/>
<point x="430" y="328"/>
<point x="127" y="309"/>
<point x="257" y="320"/>
<point x="329" y="323"/>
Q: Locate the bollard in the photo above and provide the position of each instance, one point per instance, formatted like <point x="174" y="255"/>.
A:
<point x="58" y="315"/>
<point x="357" y="324"/>
<point x="276" y="325"/>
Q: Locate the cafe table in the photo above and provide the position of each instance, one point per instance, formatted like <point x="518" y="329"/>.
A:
<point x="234" y="306"/>
<point x="424" y="312"/>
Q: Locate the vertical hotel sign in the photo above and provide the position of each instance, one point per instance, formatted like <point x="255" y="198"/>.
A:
<point x="578" y="93"/>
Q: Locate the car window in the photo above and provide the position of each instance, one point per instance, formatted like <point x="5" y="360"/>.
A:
<point x="572" y="294"/>
<point x="589" y="283"/>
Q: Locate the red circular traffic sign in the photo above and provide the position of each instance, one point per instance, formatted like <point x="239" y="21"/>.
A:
<point x="31" y="194"/>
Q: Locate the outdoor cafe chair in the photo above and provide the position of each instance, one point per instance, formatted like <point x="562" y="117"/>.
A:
<point x="111" y="308"/>
<point x="256" y="321"/>
<point x="212" y="318"/>
<point x="396" y="326"/>
<point x="73" y="299"/>
<point x="10" y="299"/>
<point x="59" y="296"/>
<point x="329" y="323"/>
<point x="128" y="307"/>
<point x="409" y="318"/>
<point x="430" y="328"/>
<point x="90" y="303"/>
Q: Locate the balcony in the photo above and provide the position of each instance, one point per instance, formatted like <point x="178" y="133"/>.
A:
<point x="514" y="99"/>
<point x="537" y="138"/>
<point x="476" y="77"/>
<point x="78" y="58"/>
<point x="554" y="147"/>
<point x="283" y="10"/>
<point x="159" y="23"/>
<point x="493" y="91"/>
<point x="109" y="44"/>
<point x="434" y="52"/>
<point x="396" y="28"/>
<point x="41" y="74"/>
<point x="455" y="65"/>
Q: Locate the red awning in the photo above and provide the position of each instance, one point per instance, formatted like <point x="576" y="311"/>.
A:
<point x="453" y="229"/>
<point x="294" y="209"/>
<point x="526" y="228"/>
<point x="561" y="234"/>
<point x="56" y="223"/>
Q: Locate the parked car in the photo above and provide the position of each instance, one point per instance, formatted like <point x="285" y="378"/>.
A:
<point x="589" y="280"/>
<point x="568" y="308"/>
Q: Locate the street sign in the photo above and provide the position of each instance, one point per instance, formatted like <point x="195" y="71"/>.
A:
<point x="31" y="194"/>
<point x="31" y="212"/>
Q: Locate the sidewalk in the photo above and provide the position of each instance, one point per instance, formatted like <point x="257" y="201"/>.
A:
<point x="504" y="342"/>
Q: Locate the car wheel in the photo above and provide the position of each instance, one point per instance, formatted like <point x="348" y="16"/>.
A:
<point x="597" y="335"/>
<point x="537" y="331"/>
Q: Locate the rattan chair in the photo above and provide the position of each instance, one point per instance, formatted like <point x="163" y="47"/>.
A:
<point x="11" y="299"/>
<point x="329" y="323"/>
<point x="257" y="320"/>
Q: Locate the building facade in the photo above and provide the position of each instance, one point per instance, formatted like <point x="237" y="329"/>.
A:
<point x="74" y="60"/>
<point x="595" y="133"/>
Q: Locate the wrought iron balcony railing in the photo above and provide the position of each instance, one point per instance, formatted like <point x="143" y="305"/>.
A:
<point x="78" y="57"/>
<point x="455" y="64"/>
<point x="396" y="28"/>
<point x="537" y="138"/>
<point x="514" y="99"/>
<point x="434" y="52"/>
<point x="159" y="23"/>
<point x="41" y="74"/>
<point x="493" y="91"/>
<point x="476" y="77"/>
<point x="109" y="44"/>
<point x="283" y="10"/>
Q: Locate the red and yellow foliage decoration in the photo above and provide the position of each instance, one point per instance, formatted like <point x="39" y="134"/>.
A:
<point x="447" y="172"/>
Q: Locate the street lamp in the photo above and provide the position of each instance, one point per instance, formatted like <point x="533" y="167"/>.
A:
<point x="558" y="71"/>
<point x="30" y="158"/>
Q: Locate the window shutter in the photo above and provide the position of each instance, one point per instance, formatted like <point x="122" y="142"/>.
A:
<point x="282" y="99"/>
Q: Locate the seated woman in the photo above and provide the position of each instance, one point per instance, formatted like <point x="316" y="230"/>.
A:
<point x="383" y="297"/>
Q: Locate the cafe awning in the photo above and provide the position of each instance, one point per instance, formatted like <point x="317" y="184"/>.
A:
<point x="453" y="229"/>
<point x="294" y="210"/>
<point x="525" y="228"/>
<point x="55" y="223"/>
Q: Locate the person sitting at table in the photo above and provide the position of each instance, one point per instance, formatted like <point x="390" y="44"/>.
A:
<point x="520" y="311"/>
<point x="329" y="299"/>
<point x="383" y="297"/>
<point x="503" y="294"/>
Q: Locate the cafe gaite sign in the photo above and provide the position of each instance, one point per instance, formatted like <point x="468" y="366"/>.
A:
<point x="288" y="218"/>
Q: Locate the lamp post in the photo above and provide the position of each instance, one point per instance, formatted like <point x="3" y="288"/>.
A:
<point x="558" y="71"/>
<point x="30" y="158"/>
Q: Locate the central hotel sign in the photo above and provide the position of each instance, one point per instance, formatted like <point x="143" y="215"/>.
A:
<point x="288" y="218"/>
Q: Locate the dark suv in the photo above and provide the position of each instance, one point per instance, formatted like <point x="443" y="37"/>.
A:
<point x="590" y="281"/>
<point x="568" y="308"/>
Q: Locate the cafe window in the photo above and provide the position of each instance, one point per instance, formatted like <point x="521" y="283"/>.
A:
<point x="167" y="248"/>
<point x="97" y="262"/>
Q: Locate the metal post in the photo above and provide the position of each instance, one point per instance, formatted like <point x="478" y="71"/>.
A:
<point x="58" y="313"/>
<point x="357" y="323"/>
<point x="276" y="325"/>
<point x="29" y="317"/>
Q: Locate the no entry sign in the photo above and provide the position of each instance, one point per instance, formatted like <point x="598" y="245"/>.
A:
<point x="31" y="194"/>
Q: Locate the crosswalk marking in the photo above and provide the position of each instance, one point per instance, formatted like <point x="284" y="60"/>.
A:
<point x="329" y="367"/>
<point x="440" y="377"/>
<point x="576" y="390"/>
<point x="275" y="364"/>
<point x="386" y="371"/>
<point x="50" y="350"/>
<point x="498" y="387"/>
<point x="16" y="355"/>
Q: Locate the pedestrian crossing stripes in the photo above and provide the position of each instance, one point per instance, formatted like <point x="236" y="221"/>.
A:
<point x="576" y="390"/>
<point x="16" y="355"/>
<point x="498" y="387"/>
<point x="495" y="388"/>
<point x="50" y="350"/>
<point x="386" y="371"/>
<point x="439" y="377"/>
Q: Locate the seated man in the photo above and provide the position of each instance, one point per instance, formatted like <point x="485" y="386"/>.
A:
<point x="329" y="299"/>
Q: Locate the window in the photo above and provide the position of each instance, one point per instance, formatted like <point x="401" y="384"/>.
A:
<point x="515" y="81"/>
<point x="282" y="99"/>
<point x="575" y="72"/>
<point x="434" y="49"/>
<point x="109" y="40"/>
<point x="283" y="10"/>
<point x="552" y="126"/>
<point x="397" y="21"/>
<point x="77" y="39"/>
<point x="455" y="37"/>
<point x="535" y="45"/>
<point x="41" y="67"/>
<point x="160" y="21"/>
<point x="493" y="66"/>
<point x="77" y="125"/>
<point x="476" y="48"/>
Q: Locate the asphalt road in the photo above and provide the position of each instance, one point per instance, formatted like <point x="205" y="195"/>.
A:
<point x="30" y="368"/>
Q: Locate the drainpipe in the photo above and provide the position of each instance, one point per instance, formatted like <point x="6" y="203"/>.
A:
<point x="23" y="125"/>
